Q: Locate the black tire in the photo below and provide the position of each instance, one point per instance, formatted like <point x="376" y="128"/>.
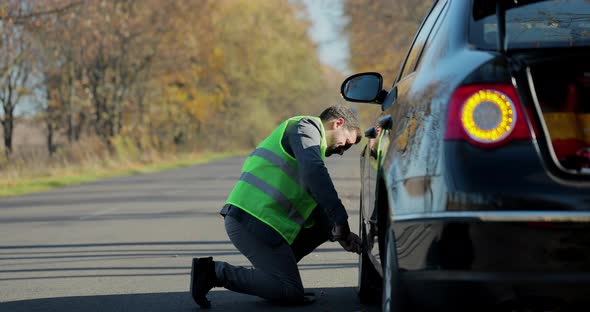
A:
<point x="394" y="298"/>
<point x="369" y="280"/>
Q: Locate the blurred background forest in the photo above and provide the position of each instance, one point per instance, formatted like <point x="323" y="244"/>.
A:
<point x="92" y="83"/>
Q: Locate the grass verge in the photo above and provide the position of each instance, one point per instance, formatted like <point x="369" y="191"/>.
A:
<point x="78" y="175"/>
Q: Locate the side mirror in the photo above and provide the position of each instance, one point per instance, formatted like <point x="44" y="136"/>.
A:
<point x="363" y="87"/>
<point x="371" y="133"/>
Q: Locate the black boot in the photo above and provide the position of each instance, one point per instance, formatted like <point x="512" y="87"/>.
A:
<point x="203" y="278"/>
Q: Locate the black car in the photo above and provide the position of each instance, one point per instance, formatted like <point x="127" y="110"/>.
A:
<point x="476" y="176"/>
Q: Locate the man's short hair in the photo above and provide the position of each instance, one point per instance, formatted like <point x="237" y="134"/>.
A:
<point x="342" y="111"/>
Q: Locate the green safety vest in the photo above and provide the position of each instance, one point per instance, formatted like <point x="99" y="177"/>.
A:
<point x="270" y="188"/>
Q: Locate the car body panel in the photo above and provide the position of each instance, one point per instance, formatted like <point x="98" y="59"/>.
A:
<point x="462" y="212"/>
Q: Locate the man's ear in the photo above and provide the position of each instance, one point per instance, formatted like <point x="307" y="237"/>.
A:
<point x="334" y="124"/>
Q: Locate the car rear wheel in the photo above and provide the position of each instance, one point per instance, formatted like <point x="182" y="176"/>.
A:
<point x="369" y="281"/>
<point x="394" y="297"/>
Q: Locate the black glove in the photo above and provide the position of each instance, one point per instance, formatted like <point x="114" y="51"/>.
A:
<point x="348" y="240"/>
<point x="352" y="243"/>
<point x="339" y="232"/>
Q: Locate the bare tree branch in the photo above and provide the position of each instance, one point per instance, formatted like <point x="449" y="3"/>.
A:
<point x="20" y="19"/>
<point x="9" y="69"/>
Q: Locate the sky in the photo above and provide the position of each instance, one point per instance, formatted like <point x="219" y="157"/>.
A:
<point x="328" y="20"/>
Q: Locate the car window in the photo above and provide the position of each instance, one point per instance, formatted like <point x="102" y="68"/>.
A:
<point x="413" y="56"/>
<point x="547" y="24"/>
<point x="437" y="45"/>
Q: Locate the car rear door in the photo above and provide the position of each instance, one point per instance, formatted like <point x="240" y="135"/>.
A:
<point x="398" y="109"/>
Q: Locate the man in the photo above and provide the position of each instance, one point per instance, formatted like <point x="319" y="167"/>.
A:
<point x="283" y="207"/>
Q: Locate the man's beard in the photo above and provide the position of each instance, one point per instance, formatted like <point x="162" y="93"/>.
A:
<point x="329" y="151"/>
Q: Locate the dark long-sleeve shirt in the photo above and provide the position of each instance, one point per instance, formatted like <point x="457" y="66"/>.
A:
<point x="302" y="140"/>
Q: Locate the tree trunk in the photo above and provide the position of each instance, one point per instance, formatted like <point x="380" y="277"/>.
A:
<point x="8" y="126"/>
<point x="50" y="145"/>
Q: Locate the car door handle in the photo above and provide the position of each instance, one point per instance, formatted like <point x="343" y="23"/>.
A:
<point x="385" y="122"/>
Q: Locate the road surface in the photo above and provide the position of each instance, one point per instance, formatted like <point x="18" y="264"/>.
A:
<point x="126" y="244"/>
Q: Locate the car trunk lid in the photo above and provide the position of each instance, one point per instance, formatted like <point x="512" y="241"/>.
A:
<point x="547" y="45"/>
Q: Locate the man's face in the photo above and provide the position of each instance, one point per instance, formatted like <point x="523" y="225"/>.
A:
<point x="339" y="138"/>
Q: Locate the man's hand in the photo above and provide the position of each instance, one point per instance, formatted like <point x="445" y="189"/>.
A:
<point x="352" y="243"/>
<point x="348" y="240"/>
<point x="339" y="232"/>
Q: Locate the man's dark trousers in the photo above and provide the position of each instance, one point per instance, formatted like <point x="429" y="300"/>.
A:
<point x="275" y="275"/>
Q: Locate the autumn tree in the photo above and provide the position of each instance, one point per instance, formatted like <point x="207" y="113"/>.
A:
<point x="274" y="72"/>
<point x="172" y="75"/>
<point x="15" y="66"/>
<point x="380" y="33"/>
<point x="60" y="72"/>
<point x="241" y="67"/>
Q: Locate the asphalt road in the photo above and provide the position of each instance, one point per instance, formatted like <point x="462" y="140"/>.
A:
<point x="126" y="244"/>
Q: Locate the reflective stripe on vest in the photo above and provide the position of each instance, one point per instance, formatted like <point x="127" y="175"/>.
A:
<point x="277" y="161"/>
<point x="274" y="194"/>
<point x="270" y="187"/>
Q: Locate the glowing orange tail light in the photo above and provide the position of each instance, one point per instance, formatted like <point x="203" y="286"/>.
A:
<point x="486" y="115"/>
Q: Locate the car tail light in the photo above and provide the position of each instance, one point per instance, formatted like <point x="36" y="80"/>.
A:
<point x="486" y="115"/>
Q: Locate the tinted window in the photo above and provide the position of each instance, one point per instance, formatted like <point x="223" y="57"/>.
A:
<point x="541" y="24"/>
<point x="414" y="55"/>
